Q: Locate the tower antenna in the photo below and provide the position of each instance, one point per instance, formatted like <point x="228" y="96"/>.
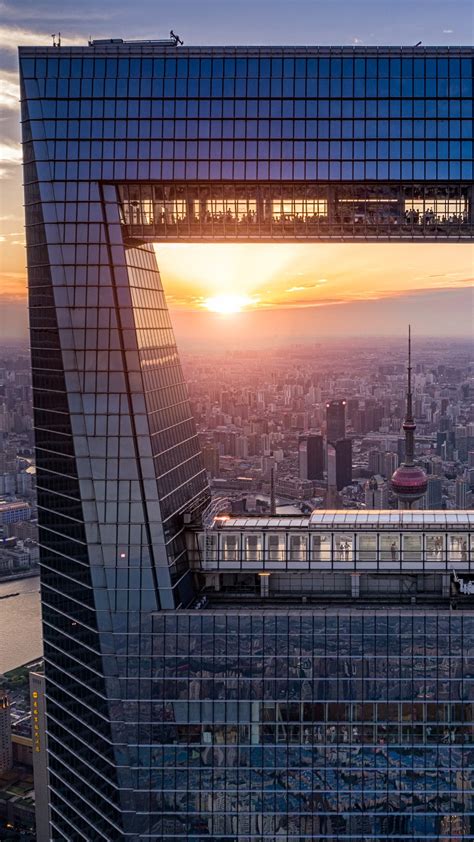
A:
<point x="409" y="481"/>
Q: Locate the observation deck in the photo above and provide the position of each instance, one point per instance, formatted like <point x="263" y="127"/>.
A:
<point x="307" y="212"/>
<point x="335" y="556"/>
<point x="392" y="541"/>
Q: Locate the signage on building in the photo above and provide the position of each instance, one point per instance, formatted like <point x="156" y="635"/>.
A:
<point x="35" y="721"/>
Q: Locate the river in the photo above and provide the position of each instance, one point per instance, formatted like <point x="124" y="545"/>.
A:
<point x="20" y="623"/>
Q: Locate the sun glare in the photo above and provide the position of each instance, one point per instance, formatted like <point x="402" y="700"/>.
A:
<point x="227" y="304"/>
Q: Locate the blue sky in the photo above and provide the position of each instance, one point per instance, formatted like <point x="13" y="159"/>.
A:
<point x="253" y="21"/>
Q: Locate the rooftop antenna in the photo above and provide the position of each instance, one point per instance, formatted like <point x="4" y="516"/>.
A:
<point x="58" y="42"/>
<point x="176" y="38"/>
<point x="409" y="424"/>
<point x="272" y="492"/>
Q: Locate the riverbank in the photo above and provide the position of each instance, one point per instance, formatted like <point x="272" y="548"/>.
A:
<point x="27" y="574"/>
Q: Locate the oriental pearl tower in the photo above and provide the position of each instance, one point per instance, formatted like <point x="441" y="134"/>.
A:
<point x="409" y="482"/>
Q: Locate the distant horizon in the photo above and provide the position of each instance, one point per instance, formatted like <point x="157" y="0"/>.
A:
<point x="443" y="311"/>
<point x="291" y="342"/>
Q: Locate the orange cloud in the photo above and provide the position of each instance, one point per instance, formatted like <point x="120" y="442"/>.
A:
<point x="12" y="286"/>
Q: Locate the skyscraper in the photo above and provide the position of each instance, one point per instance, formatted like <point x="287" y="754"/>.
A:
<point x="375" y="462"/>
<point x="6" y="757"/>
<point x="461" y="492"/>
<point x="210" y="455"/>
<point x="434" y="490"/>
<point x="390" y="463"/>
<point x="311" y="457"/>
<point x="335" y="421"/>
<point x="343" y="463"/>
<point x="376" y="493"/>
<point x="315" y="457"/>
<point x="192" y="693"/>
<point x="303" y="458"/>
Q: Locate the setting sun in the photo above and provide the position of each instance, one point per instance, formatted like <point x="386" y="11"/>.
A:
<point x="227" y="304"/>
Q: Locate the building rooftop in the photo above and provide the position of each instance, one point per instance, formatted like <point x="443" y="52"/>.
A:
<point x="7" y="506"/>
<point x="355" y="519"/>
<point x="112" y="45"/>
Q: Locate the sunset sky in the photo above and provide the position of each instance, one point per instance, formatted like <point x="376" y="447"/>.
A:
<point x="307" y="289"/>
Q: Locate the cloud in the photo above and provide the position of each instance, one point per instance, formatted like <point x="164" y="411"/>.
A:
<point x="10" y="158"/>
<point x="11" y="37"/>
<point x="9" y="91"/>
<point x="317" y="283"/>
<point x="302" y="303"/>
<point x="448" y="31"/>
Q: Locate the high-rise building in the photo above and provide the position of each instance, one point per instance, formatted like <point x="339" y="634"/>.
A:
<point x="311" y="457"/>
<point x="390" y="463"/>
<point x="461" y="442"/>
<point x="303" y="458"/>
<point x="434" y="498"/>
<point x="315" y="454"/>
<point x="461" y="490"/>
<point x="190" y="692"/>
<point x="6" y="756"/>
<point x="210" y="455"/>
<point x="343" y="463"/>
<point x="375" y="462"/>
<point x="335" y="421"/>
<point x="376" y="493"/>
<point x="331" y="466"/>
<point x="241" y="447"/>
<point x="440" y="441"/>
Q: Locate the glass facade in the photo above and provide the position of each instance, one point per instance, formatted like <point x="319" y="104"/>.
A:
<point x="312" y="725"/>
<point x="154" y="731"/>
<point x="245" y="143"/>
<point x="341" y="540"/>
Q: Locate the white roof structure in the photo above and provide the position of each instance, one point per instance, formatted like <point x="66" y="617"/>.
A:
<point x="355" y="519"/>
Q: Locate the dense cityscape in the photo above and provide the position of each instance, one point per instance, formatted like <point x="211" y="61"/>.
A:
<point x="327" y="419"/>
<point x="324" y="421"/>
<point x="18" y="516"/>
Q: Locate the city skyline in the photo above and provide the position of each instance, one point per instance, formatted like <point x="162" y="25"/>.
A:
<point x="342" y="286"/>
